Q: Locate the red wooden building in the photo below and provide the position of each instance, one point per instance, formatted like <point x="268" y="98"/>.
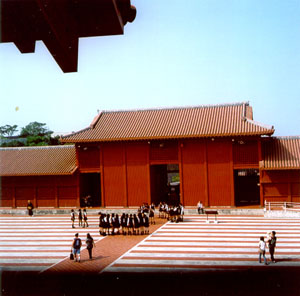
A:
<point x="216" y="154"/>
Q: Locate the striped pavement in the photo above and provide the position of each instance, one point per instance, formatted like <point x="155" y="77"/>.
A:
<point x="39" y="242"/>
<point x="195" y="245"/>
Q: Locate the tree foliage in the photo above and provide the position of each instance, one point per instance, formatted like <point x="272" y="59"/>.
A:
<point x="33" y="134"/>
<point x="35" y="129"/>
<point x="8" y="130"/>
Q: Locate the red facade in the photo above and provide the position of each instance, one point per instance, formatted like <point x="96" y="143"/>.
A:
<point x="205" y="168"/>
<point x="43" y="191"/>
<point x="213" y="154"/>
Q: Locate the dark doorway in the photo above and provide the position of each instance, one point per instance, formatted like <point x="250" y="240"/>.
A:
<point x="90" y="190"/>
<point x="246" y="187"/>
<point x="165" y="184"/>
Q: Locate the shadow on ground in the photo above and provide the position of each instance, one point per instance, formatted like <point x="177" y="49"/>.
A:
<point x="281" y="281"/>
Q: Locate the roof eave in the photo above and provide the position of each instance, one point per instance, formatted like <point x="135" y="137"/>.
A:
<point x="260" y="133"/>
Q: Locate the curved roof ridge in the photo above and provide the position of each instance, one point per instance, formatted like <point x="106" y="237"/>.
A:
<point x="75" y="133"/>
<point x="287" y="137"/>
<point x="267" y="126"/>
<point x="177" y="107"/>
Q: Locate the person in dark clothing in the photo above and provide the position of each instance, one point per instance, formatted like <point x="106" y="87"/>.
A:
<point x="141" y="226"/>
<point x="73" y="218"/>
<point x="272" y="244"/>
<point x="79" y="218"/>
<point x="102" y="224"/>
<point x="151" y="216"/>
<point x="90" y="244"/>
<point x="76" y="246"/>
<point x="124" y="224"/>
<point x="146" y="223"/>
<point x="117" y="223"/>
<point x="30" y="208"/>
<point x="136" y="224"/>
<point x="130" y="224"/>
<point x="85" y="218"/>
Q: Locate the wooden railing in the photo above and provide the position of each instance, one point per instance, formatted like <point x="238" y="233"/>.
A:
<point x="282" y="206"/>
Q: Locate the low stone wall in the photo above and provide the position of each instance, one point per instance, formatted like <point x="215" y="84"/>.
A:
<point x="282" y="214"/>
<point x="119" y="210"/>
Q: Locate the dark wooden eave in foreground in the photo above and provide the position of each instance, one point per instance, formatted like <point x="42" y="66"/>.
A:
<point x="59" y="24"/>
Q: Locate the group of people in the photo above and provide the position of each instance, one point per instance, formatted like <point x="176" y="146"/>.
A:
<point x="262" y="245"/>
<point x="127" y="224"/>
<point x="172" y="213"/>
<point x="82" y="218"/>
<point x="77" y="244"/>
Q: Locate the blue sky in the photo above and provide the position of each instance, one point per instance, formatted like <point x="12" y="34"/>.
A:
<point x="175" y="53"/>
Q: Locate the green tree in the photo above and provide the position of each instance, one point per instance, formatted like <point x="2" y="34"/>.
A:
<point x="33" y="134"/>
<point x="37" y="134"/>
<point x="8" y="130"/>
<point x="35" y="129"/>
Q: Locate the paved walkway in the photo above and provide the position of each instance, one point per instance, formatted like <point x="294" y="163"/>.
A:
<point x="107" y="250"/>
<point x="224" y="253"/>
<point x="192" y="245"/>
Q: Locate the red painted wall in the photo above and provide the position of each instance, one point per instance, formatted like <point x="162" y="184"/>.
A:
<point x="281" y="185"/>
<point x="193" y="172"/>
<point x="164" y="151"/>
<point x="88" y="157"/>
<point x="245" y="153"/>
<point x="43" y="191"/>
<point x="137" y="173"/>
<point x="114" y="174"/>
<point x="219" y="156"/>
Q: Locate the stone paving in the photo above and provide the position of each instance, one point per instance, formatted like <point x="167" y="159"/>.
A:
<point x="194" y="241"/>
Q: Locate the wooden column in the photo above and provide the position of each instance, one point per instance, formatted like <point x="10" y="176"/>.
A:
<point x="206" y="192"/>
<point x="56" y="200"/>
<point x="124" y="146"/>
<point x="14" y="205"/>
<point x="148" y="175"/>
<point x="260" y="165"/>
<point x="35" y="196"/>
<point x="232" y="198"/>
<point x="180" y="146"/>
<point x="102" y="177"/>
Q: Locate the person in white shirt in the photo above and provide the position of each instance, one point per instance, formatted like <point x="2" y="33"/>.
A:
<point x="262" y="250"/>
<point x="200" y="207"/>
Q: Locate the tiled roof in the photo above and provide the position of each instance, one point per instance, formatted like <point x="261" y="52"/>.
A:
<point x="281" y="153"/>
<point x="189" y="122"/>
<point x="38" y="160"/>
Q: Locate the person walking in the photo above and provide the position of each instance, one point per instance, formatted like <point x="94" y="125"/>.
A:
<point x="85" y="218"/>
<point x="76" y="246"/>
<point x="272" y="244"/>
<point x="79" y="218"/>
<point x="262" y="250"/>
<point x="30" y="208"/>
<point x="73" y="218"/>
<point x="90" y="244"/>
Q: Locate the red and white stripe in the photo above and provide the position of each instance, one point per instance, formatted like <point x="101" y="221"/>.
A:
<point x="195" y="244"/>
<point x="36" y="243"/>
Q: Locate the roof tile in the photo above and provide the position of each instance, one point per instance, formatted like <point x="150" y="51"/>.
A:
<point x="38" y="160"/>
<point x="189" y="122"/>
<point x="281" y="153"/>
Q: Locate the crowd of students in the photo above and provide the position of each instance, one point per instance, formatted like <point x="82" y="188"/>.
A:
<point x="82" y="218"/>
<point x="130" y="224"/>
<point x="173" y="213"/>
<point x="126" y="224"/>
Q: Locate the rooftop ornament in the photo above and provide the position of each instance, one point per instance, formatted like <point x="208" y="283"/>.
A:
<point x="60" y="23"/>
